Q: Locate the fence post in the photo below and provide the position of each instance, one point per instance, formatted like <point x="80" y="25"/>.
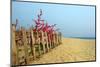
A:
<point x="25" y="44"/>
<point x="43" y="42"/>
<point x="14" y="47"/>
<point x="60" y="37"/>
<point x="46" y="37"/>
<point x="33" y="42"/>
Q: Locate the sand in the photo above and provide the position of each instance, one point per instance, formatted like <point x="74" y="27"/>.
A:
<point x="71" y="50"/>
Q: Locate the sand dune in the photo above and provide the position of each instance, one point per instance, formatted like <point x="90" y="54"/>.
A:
<point x="71" y="50"/>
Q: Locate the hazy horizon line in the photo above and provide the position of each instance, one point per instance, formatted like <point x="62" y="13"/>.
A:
<point x="82" y="37"/>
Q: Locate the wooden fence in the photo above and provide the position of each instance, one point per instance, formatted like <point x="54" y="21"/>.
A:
<point x="28" y="45"/>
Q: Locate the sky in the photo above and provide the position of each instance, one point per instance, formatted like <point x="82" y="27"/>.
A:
<point x="72" y="20"/>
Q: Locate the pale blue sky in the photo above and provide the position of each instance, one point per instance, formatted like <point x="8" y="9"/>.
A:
<point x="73" y="20"/>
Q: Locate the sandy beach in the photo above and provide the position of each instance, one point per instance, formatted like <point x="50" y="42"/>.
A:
<point x="71" y="50"/>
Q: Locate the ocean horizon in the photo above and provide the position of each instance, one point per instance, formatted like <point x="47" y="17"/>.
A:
<point x="83" y="37"/>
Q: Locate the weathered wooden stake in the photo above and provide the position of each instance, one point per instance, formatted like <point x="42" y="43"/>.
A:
<point x="14" y="49"/>
<point x="33" y="42"/>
